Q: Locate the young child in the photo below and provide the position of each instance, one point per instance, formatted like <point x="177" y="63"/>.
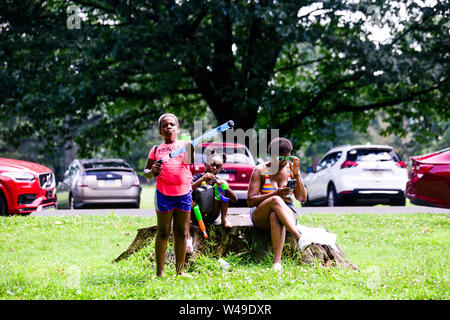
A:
<point x="173" y="196"/>
<point x="212" y="167"/>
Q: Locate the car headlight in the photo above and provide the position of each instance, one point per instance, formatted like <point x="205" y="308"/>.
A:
<point x="20" y="176"/>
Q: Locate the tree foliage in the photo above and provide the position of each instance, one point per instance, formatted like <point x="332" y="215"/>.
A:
<point x="299" y="66"/>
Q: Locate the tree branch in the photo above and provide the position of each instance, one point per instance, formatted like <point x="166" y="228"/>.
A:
<point x="95" y="5"/>
<point x="383" y="104"/>
<point x="295" y="66"/>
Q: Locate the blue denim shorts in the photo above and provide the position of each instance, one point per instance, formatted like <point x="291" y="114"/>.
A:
<point x="165" y="203"/>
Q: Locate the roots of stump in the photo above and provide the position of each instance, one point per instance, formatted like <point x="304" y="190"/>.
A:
<point x="241" y="240"/>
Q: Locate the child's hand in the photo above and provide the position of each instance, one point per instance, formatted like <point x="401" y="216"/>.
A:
<point x="208" y="176"/>
<point x="156" y="167"/>
<point x="220" y="182"/>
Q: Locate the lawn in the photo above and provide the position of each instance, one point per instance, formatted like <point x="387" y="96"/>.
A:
<point x="147" y="197"/>
<point x="69" y="257"/>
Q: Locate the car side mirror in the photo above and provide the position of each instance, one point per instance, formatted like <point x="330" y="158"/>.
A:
<point x="309" y="170"/>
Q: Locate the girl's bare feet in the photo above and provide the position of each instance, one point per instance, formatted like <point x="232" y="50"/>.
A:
<point x="226" y="223"/>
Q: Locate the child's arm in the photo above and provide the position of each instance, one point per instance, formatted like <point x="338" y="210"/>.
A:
<point x="207" y="176"/>
<point x="151" y="168"/>
<point x="189" y="154"/>
<point x="230" y="194"/>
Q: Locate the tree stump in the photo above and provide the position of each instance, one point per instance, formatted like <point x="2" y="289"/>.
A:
<point x="241" y="240"/>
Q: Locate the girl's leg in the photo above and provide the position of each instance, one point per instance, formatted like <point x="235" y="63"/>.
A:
<point x="189" y="248"/>
<point x="162" y="235"/>
<point x="261" y="215"/>
<point x="179" y="230"/>
<point x="278" y="234"/>
<point x="224" y="210"/>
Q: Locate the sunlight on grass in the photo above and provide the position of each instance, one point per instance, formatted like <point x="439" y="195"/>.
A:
<point x="69" y="257"/>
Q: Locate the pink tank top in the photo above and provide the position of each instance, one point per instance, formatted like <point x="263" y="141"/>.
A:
<point x="175" y="178"/>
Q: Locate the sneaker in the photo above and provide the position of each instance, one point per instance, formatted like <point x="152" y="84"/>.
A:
<point x="189" y="247"/>
<point x="277" y="267"/>
<point x="302" y="243"/>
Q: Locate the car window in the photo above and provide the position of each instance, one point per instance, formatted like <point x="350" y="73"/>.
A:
<point x="106" y="164"/>
<point x="234" y="155"/>
<point x="361" y="155"/>
<point x="73" y="169"/>
<point x="334" y="157"/>
<point x="328" y="161"/>
<point x="324" y="163"/>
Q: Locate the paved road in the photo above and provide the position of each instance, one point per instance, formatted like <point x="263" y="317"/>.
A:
<point x="244" y="211"/>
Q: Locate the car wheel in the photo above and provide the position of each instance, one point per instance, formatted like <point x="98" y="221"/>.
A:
<point x="331" y="197"/>
<point x="307" y="203"/>
<point x="399" y="201"/>
<point x="72" y="203"/>
<point x="3" y="205"/>
<point x="56" y="203"/>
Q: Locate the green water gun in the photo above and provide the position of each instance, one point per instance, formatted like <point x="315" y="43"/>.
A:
<point x="219" y="192"/>
<point x="201" y="224"/>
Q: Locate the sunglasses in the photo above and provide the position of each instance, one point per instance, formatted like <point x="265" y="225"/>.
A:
<point x="287" y="158"/>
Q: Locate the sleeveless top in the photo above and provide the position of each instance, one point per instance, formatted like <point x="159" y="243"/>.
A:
<point x="267" y="186"/>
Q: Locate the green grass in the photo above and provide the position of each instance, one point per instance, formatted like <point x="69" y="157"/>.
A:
<point x="69" y="257"/>
<point x="147" y="197"/>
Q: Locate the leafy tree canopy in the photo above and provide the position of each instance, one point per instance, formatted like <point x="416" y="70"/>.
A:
<point x="100" y="71"/>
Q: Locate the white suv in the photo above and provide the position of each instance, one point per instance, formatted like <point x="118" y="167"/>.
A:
<point x="359" y="174"/>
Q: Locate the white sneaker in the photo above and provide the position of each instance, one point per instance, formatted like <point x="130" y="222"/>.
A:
<point x="189" y="247"/>
<point x="302" y="243"/>
<point x="277" y="267"/>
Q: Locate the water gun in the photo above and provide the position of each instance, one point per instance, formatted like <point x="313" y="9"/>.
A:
<point x="208" y="135"/>
<point x="198" y="215"/>
<point x="185" y="137"/>
<point x="219" y="192"/>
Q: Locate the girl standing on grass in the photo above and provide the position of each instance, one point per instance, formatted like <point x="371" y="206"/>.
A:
<point x="173" y="195"/>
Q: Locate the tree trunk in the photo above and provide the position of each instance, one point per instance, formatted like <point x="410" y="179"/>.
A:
<point x="244" y="239"/>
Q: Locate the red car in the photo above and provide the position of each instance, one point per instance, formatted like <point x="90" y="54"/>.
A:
<point x="237" y="170"/>
<point x="430" y="179"/>
<point x="25" y="187"/>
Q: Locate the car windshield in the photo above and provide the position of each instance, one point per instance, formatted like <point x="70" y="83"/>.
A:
<point x="234" y="155"/>
<point x="361" y="155"/>
<point x="106" y="164"/>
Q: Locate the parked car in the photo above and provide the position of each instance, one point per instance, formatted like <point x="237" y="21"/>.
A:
<point x="359" y="174"/>
<point x="430" y="179"/>
<point x="98" y="182"/>
<point x="25" y="187"/>
<point x="237" y="170"/>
